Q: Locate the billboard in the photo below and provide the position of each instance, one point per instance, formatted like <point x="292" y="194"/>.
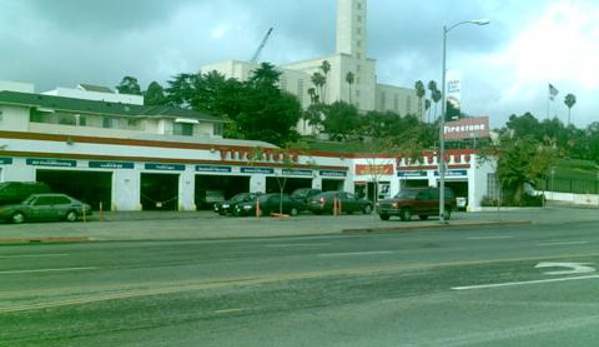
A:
<point x="467" y="128"/>
<point x="384" y="169"/>
<point x="454" y="89"/>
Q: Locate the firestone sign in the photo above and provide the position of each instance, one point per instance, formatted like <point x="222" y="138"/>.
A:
<point x="467" y="128"/>
<point x="265" y="155"/>
<point x="362" y="169"/>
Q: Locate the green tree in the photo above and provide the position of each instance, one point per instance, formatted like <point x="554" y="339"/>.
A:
<point x="325" y="67"/>
<point x="319" y="81"/>
<point x="154" y="95"/>
<point x="341" y="120"/>
<point x="427" y="108"/>
<point x="129" y="85"/>
<point x="420" y="93"/>
<point x="436" y="96"/>
<point x="569" y="100"/>
<point x="349" y="79"/>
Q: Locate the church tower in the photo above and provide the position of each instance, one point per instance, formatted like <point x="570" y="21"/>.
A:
<point x="351" y="28"/>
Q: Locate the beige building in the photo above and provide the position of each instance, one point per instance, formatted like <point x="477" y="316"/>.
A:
<point x="350" y="56"/>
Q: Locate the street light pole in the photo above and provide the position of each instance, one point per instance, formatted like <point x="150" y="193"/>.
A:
<point x="443" y="111"/>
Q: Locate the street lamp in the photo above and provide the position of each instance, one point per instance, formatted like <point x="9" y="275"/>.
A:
<point x="443" y="110"/>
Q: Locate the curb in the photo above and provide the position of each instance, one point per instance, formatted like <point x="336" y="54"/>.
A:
<point x="434" y="227"/>
<point x="44" y="240"/>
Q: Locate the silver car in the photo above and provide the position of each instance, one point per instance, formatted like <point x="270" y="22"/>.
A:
<point x="45" y="207"/>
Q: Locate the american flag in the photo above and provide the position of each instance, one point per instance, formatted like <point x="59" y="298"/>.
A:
<point x="552" y="92"/>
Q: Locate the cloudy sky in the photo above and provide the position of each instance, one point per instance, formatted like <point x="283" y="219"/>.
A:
<point x="505" y="66"/>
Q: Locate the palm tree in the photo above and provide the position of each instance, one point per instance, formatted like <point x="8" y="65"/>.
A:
<point x="325" y="67"/>
<point x="420" y="92"/>
<point x="427" y="107"/>
<point x="318" y="80"/>
<point x="349" y="78"/>
<point x="265" y="75"/>
<point x="569" y="100"/>
<point x="436" y="98"/>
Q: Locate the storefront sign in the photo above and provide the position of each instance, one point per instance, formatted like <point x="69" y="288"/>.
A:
<point x="4" y="161"/>
<point x="257" y="170"/>
<point x="258" y="155"/>
<point x="213" y="168"/>
<point x="333" y="173"/>
<point x="365" y="169"/>
<point x="297" y="172"/>
<point x="51" y="162"/>
<point x="467" y="128"/>
<point x="411" y="174"/>
<point x="111" y="165"/>
<point x="451" y="173"/>
<point x="165" y="167"/>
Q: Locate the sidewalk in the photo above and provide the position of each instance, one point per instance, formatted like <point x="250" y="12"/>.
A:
<point x="123" y="226"/>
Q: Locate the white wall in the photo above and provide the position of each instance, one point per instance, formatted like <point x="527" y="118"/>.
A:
<point x="14" y="118"/>
<point x="87" y="95"/>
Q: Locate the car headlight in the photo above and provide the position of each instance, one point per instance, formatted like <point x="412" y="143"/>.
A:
<point x="225" y="206"/>
<point x="247" y="207"/>
<point x="395" y="205"/>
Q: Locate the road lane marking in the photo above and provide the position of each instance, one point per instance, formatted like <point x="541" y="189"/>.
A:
<point x="232" y="310"/>
<point x="522" y="283"/>
<point x="296" y="245"/>
<point x="490" y="237"/>
<point x="354" y="253"/>
<point x="32" y="256"/>
<point x="12" y="272"/>
<point x="549" y="244"/>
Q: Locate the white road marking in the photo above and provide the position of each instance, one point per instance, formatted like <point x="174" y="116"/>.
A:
<point x="232" y="310"/>
<point x="572" y="268"/>
<point x="490" y="237"/>
<point x="354" y="253"/>
<point x="32" y="256"/>
<point x="297" y="245"/>
<point x="12" y="272"/>
<point x="548" y="244"/>
<point x="510" y="284"/>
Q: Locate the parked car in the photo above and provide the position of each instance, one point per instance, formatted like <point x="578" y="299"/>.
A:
<point x="15" y="192"/>
<point x="228" y="206"/>
<point x="269" y="203"/>
<point x="423" y="202"/>
<point x="45" y="207"/>
<point x="349" y="203"/>
<point x="303" y="194"/>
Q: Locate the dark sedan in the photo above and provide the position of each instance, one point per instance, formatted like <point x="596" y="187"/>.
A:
<point x="45" y="207"/>
<point x="346" y="203"/>
<point x="228" y="206"/>
<point x="270" y="203"/>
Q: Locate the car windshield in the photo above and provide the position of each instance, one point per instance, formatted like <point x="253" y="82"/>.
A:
<point x="29" y="200"/>
<point x="407" y="194"/>
<point x="240" y="197"/>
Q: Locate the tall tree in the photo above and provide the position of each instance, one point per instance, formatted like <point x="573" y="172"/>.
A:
<point x="349" y="78"/>
<point x="154" y="95"/>
<point x="427" y="108"/>
<point x="569" y="100"/>
<point x="129" y="85"/>
<point x="436" y="96"/>
<point x="325" y="67"/>
<point x="341" y="120"/>
<point x="319" y="81"/>
<point x="420" y="92"/>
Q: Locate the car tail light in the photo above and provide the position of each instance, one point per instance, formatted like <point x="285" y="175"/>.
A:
<point x="395" y="205"/>
<point x="321" y="201"/>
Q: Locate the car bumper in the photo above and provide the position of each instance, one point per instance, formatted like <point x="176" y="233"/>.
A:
<point x="388" y="211"/>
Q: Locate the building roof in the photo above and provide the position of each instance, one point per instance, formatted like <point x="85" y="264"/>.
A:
<point x="99" y="107"/>
<point x="95" y="88"/>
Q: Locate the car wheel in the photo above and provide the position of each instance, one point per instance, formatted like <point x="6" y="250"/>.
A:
<point x="384" y="216"/>
<point x="447" y="213"/>
<point x="71" y="216"/>
<point x="294" y="212"/>
<point x="405" y="214"/>
<point x="17" y="217"/>
<point x="423" y="216"/>
<point x="367" y="209"/>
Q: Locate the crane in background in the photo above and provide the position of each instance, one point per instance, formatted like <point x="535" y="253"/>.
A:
<point x="256" y="55"/>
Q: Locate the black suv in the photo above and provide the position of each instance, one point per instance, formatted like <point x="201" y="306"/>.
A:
<point x="15" y="192"/>
<point x="423" y="202"/>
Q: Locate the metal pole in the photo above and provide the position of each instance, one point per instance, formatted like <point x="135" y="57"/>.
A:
<point x="442" y="134"/>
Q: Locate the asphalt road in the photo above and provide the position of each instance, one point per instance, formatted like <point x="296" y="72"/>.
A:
<point x="491" y="287"/>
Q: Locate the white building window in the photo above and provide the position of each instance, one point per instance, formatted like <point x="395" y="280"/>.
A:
<point x="110" y="123"/>
<point x="218" y="129"/>
<point x="184" y="129"/>
<point x="383" y="101"/>
<point x="396" y="103"/>
<point x="408" y="104"/>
